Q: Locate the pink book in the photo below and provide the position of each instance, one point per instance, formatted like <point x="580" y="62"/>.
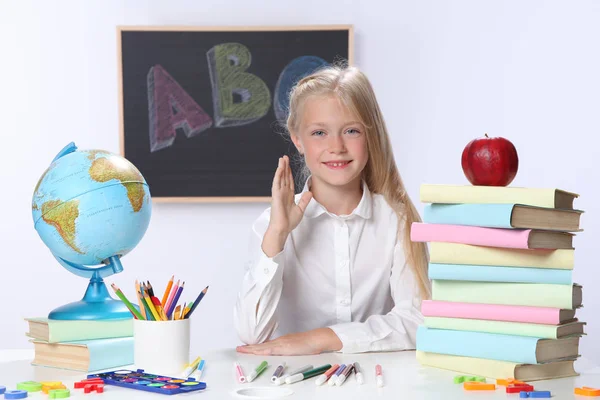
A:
<point x="494" y="312"/>
<point x="491" y="237"/>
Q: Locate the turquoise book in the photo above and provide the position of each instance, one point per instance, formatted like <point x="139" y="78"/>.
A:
<point x="84" y="355"/>
<point x="508" y="216"/>
<point x="487" y="215"/>
<point x="493" y="346"/>
<point x="486" y="273"/>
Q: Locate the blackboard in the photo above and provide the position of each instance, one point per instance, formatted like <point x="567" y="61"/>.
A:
<point x="201" y="107"/>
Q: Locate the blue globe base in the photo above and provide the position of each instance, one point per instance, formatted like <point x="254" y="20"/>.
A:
<point x="95" y="305"/>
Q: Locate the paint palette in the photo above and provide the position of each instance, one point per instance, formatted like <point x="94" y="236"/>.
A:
<point x="141" y="380"/>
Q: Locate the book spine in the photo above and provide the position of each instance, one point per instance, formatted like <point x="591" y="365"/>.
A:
<point x="487" y="195"/>
<point x="485" y="273"/>
<point x="456" y="253"/>
<point x="477" y="215"/>
<point x="534" y="315"/>
<point x="518" y="349"/>
<point x="473" y="235"/>
<point x="500" y="327"/>
<point x="492" y="369"/>
<point x="514" y="294"/>
<point x="110" y="353"/>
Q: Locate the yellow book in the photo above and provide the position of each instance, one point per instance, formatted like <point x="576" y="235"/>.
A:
<point x="455" y="194"/>
<point x="458" y="253"/>
<point x="495" y="369"/>
<point x="511" y="294"/>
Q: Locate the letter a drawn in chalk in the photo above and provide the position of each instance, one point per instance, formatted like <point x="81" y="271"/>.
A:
<point x="171" y="108"/>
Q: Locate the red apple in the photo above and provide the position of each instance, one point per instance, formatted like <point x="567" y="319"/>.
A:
<point x="490" y="161"/>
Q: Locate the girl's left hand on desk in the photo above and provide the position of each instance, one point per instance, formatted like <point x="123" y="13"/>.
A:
<point x="295" y="344"/>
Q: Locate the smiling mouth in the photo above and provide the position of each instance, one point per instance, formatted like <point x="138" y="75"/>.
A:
<point x="337" y="164"/>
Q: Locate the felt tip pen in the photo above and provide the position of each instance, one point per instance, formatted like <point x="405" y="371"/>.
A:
<point x="358" y="373"/>
<point x="191" y="368"/>
<point x="379" y="375"/>
<point x="344" y="375"/>
<point x="278" y="372"/>
<point x="240" y="372"/>
<point x="323" y="378"/>
<point x="197" y="374"/>
<point x="259" y="370"/>
<point x="281" y="380"/>
<point x="334" y="378"/>
<point x="308" y="374"/>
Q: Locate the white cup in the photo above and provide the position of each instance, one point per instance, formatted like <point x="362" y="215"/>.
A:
<point x="161" y="347"/>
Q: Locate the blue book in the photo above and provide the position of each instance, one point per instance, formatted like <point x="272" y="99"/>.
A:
<point x="484" y="273"/>
<point x="494" y="346"/>
<point x="511" y="216"/>
<point x="85" y="355"/>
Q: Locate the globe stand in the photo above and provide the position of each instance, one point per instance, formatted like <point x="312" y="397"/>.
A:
<point x="96" y="304"/>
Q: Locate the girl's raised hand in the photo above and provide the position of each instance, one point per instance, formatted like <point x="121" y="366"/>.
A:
<point x="285" y="213"/>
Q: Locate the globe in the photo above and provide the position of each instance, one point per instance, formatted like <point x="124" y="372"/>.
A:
<point x="91" y="208"/>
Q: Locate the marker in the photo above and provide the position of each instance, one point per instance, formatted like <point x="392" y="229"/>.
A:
<point x="281" y="380"/>
<point x="344" y="375"/>
<point x="198" y="372"/>
<point x="335" y="376"/>
<point x="191" y="367"/>
<point x="278" y="372"/>
<point x="308" y="374"/>
<point x="240" y="373"/>
<point x="323" y="378"/>
<point x="379" y="375"/>
<point x="259" y="370"/>
<point x="358" y="374"/>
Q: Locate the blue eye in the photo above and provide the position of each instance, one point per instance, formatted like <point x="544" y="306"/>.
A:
<point x="353" y="131"/>
<point x="318" y="133"/>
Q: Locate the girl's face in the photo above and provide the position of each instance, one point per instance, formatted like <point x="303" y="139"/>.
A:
<point x="332" y="140"/>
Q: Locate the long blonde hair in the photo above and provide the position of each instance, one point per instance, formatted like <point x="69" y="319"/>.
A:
<point x="381" y="174"/>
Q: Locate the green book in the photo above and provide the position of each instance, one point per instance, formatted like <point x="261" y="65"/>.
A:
<point x="512" y="294"/>
<point x="54" y="331"/>
<point x="507" y="328"/>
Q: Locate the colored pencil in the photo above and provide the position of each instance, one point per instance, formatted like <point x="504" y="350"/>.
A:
<point x="151" y="307"/>
<point x="187" y="309"/>
<point x="167" y="291"/>
<point x="182" y="311"/>
<point x="200" y="296"/>
<point x="148" y="312"/>
<point x="128" y="304"/>
<point x="139" y="297"/>
<point x="150" y="290"/>
<point x="159" y="309"/>
<point x="171" y="296"/>
<point x="176" y="313"/>
<point x="175" y="300"/>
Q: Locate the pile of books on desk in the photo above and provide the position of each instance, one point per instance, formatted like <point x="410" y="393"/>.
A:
<point x="81" y="345"/>
<point x="503" y="298"/>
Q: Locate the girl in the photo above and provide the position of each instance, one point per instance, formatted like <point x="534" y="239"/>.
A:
<point x="335" y="269"/>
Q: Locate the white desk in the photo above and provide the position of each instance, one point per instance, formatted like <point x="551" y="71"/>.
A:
<point x="404" y="378"/>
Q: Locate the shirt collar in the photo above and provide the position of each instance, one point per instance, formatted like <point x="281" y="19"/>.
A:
<point x="363" y="209"/>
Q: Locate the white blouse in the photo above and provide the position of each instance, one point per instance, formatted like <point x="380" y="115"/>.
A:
<point x="345" y="272"/>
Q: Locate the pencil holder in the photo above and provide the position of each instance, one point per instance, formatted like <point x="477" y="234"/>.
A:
<point x="161" y="347"/>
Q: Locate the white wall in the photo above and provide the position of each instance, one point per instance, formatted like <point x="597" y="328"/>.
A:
<point x="445" y="72"/>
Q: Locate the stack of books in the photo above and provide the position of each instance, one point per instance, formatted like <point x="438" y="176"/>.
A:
<point x="81" y="345"/>
<point x="503" y="298"/>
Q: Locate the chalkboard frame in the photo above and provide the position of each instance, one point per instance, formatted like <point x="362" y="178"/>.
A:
<point x="169" y="28"/>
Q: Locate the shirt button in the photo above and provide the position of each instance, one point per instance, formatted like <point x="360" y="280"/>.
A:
<point x="345" y="302"/>
<point x="266" y="271"/>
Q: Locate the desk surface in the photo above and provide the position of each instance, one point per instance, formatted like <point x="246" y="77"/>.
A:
<point x="403" y="376"/>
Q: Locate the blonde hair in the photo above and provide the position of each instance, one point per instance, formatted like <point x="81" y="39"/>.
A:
<point x="381" y="174"/>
